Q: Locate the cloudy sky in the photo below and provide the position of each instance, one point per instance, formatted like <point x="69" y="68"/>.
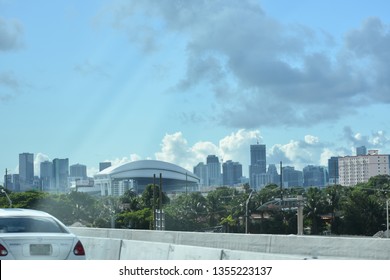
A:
<point x="177" y="80"/>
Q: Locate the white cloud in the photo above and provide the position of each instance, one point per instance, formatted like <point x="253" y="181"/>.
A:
<point x="265" y="77"/>
<point x="176" y="149"/>
<point x="310" y="139"/>
<point x="39" y="157"/>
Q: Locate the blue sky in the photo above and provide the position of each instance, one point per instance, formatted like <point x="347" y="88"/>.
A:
<point x="177" y="80"/>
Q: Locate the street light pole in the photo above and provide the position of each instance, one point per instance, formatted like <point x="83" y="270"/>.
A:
<point x="247" y="212"/>
<point x="387" y="218"/>
<point x="9" y="200"/>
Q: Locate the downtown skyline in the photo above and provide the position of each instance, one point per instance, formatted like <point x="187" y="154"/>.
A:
<point x="176" y="81"/>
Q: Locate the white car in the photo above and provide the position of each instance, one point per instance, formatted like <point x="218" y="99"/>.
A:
<point x="30" y="234"/>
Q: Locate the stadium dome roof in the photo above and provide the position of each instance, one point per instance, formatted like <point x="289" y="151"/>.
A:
<point x="148" y="168"/>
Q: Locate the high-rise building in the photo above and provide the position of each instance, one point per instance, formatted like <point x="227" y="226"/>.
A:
<point x="315" y="176"/>
<point x="200" y="170"/>
<point x="231" y="173"/>
<point x="11" y="182"/>
<point x="361" y="151"/>
<point x="78" y="171"/>
<point x="292" y="177"/>
<point x="26" y="171"/>
<point x="61" y="174"/>
<point x="333" y="170"/>
<point x="104" y="165"/>
<point x="272" y="172"/>
<point x="359" y="169"/>
<point x="213" y="170"/>
<point x="47" y="175"/>
<point x="258" y="166"/>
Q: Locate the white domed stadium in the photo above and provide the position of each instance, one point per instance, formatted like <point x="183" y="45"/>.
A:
<point x="116" y="180"/>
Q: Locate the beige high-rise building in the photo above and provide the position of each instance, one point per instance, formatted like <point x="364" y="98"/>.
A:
<point x="359" y="169"/>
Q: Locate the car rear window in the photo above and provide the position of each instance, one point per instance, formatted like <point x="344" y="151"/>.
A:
<point x="30" y="224"/>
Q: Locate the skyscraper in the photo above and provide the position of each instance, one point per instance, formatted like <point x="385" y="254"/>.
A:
<point x="78" y="171"/>
<point x="333" y="169"/>
<point x="61" y="174"/>
<point x="104" y="165"/>
<point x="213" y="170"/>
<point x="26" y="171"/>
<point x="200" y="170"/>
<point x="46" y="175"/>
<point x="361" y="151"/>
<point x="315" y="176"/>
<point x="231" y="173"/>
<point x="258" y="166"/>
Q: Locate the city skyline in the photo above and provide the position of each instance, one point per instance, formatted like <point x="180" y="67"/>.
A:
<point x="38" y="160"/>
<point x="179" y="80"/>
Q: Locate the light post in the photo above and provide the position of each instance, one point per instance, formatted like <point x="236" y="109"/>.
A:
<point x="9" y="200"/>
<point x="387" y="218"/>
<point x="247" y="212"/>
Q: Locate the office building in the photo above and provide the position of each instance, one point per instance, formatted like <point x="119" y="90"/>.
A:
<point x="361" y="151"/>
<point x="231" y="173"/>
<point x="78" y="171"/>
<point x="315" y="176"/>
<point x="26" y="171"/>
<point x="273" y="175"/>
<point x="292" y="177"/>
<point x="200" y="170"/>
<point x="104" y="165"/>
<point x="47" y="175"/>
<point x="333" y="170"/>
<point x="61" y="174"/>
<point x="258" y="166"/>
<point x="213" y="171"/>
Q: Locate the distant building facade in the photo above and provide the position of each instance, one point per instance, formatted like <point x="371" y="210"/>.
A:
<point x="200" y="170"/>
<point x="292" y="177"/>
<point x="47" y="175"/>
<point x="359" y="169"/>
<point x="213" y="170"/>
<point x="315" y="176"/>
<point x="104" y="165"/>
<point x="61" y="174"/>
<point x="361" y="151"/>
<point x="26" y="171"/>
<point x="333" y="170"/>
<point x="258" y="166"/>
<point x="231" y="173"/>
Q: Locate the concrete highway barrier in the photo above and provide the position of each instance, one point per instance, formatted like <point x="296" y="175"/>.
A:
<point x="198" y="245"/>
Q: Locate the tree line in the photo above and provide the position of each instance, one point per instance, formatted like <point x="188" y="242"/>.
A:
<point x="335" y="209"/>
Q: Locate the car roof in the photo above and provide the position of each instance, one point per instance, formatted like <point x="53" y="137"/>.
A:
<point x="7" y="212"/>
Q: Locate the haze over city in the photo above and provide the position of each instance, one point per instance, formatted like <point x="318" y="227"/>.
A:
<point x="176" y="81"/>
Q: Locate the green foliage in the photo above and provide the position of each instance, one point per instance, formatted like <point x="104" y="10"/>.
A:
<point x="358" y="210"/>
<point x="140" y="219"/>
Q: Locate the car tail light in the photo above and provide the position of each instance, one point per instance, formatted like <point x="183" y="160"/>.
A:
<point x="3" y="251"/>
<point x="79" y="249"/>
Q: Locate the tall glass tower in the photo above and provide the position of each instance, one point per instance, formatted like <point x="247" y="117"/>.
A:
<point x="26" y="171"/>
<point x="258" y="166"/>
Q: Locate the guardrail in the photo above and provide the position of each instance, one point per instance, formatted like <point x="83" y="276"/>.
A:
<point x="128" y="244"/>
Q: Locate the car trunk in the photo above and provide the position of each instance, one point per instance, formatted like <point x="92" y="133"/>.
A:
<point x="43" y="246"/>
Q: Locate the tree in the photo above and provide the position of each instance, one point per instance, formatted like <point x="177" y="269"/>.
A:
<point x="187" y="212"/>
<point x="363" y="213"/>
<point x="314" y="207"/>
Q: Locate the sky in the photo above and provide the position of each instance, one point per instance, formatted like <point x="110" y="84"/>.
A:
<point x="177" y="80"/>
